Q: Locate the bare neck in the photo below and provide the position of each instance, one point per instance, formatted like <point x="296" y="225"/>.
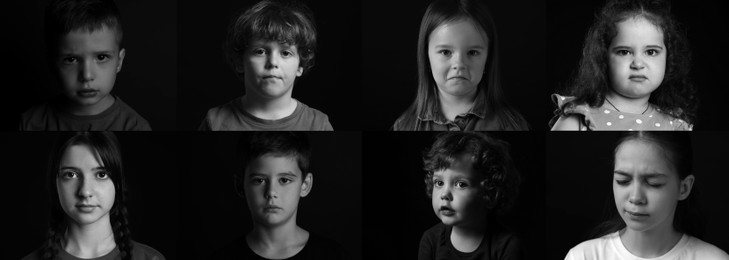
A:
<point x="467" y="239"/>
<point x="90" y="110"/>
<point x="452" y="106"/>
<point x="269" y="109"/>
<point x="277" y="242"/>
<point x="89" y="240"/>
<point x="625" y="104"/>
<point x="650" y="243"/>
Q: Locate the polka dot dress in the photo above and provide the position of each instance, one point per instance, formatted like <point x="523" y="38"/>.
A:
<point x="603" y="119"/>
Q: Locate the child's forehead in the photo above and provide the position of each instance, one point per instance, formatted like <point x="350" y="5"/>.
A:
<point x="461" y="166"/>
<point x="271" y="42"/>
<point x="85" y="39"/>
<point x="459" y="31"/>
<point x="272" y="164"/>
<point x="637" y="30"/>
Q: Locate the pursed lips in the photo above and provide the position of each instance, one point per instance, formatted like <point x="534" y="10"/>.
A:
<point x="638" y="77"/>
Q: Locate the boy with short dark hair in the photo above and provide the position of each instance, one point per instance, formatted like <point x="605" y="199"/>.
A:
<point x="269" y="46"/>
<point x="275" y="176"/>
<point x="83" y="45"/>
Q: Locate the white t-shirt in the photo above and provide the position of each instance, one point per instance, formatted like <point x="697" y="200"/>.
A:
<point x="611" y="247"/>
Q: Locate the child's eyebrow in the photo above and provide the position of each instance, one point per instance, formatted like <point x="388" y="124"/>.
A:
<point x="655" y="46"/>
<point x="78" y="169"/>
<point x="287" y="174"/>
<point x="645" y="175"/>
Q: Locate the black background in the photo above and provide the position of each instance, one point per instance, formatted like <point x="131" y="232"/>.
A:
<point x="332" y="86"/>
<point x="706" y="25"/>
<point x="399" y="211"/>
<point x="147" y="81"/>
<point x="390" y="58"/>
<point x="579" y="189"/>
<point x="213" y="214"/>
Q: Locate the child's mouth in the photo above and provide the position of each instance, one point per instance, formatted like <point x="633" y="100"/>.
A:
<point x="638" y="78"/>
<point x="87" y="93"/>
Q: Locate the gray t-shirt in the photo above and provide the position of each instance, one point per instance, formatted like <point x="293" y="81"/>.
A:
<point x="50" y="117"/>
<point x="231" y="117"/>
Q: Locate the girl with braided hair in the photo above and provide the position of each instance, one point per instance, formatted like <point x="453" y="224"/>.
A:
<point x="88" y="217"/>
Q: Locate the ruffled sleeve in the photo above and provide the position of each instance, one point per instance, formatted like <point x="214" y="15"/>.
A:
<point x="566" y="107"/>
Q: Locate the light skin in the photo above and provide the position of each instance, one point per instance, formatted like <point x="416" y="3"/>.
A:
<point x="269" y="70"/>
<point x="273" y="186"/>
<point x="86" y="194"/>
<point x="87" y="65"/>
<point x="647" y="188"/>
<point x="457" y="51"/>
<point x="637" y="65"/>
<point x="458" y="202"/>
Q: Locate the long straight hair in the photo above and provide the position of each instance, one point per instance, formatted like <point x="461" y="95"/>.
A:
<point x="106" y="146"/>
<point x="677" y="146"/>
<point x="489" y="89"/>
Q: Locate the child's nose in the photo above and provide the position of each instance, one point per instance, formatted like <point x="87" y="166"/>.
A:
<point x="637" y="63"/>
<point x="87" y="72"/>
<point x="457" y="63"/>
<point x="445" y="194"/>
<point x="85" y="188"/>
<point x="636" y="195"/>
<point x="272" y="61"/>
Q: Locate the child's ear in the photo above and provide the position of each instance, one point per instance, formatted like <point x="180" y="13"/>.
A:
<point x="122" y="53"/>
<point x="684" y="188"/>
<point x="307" y="184"/>
<point x="239" y="185"/>
<point x="300" y="71"/>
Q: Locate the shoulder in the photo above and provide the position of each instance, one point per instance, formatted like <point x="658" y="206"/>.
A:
<point x="36" y="117"/>
<point x="567" y="123"/>
<point x="593" y="248"/>
<point x="434" y="233"/>
<point x="699" y="249"/>
<point x="568" y="115"/>
<point x="215" y="116"/>
<point x="145" y="252"/>
<point x="133" y="121"/>
<point x="319" y="247"/>
<point x="33" y="255"/>
<point x="319" y="120"/>
<point x="406" y="121"/>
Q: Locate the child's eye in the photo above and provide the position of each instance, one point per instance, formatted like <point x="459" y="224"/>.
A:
<point x="461" y="184"/>
<point x="69" y="60"/>
<point x="622" y="52"/>
<point x="474" y="53"/>
<point x="285" y="181"/>
<point x="102" y="57"/>
<point x="445" y="52"/>
<point x="68" y="175"/>
<point x="438" y="183"/>
<point x="259" y="52"/>
<point x="102" y="175"/>
<point x="258" y="181"/>
<point x="652" y="52"/>
<point x="287" y="54"/>
<point x="622" y="182"/>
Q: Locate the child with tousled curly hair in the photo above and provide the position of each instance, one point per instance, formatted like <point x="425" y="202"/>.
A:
<point x="633" y="74"/>
<point x="470" y="179"/>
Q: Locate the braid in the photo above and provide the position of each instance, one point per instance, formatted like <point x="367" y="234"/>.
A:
<point x="122" y="233"/>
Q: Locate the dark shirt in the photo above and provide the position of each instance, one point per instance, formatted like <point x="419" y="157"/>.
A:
<point x="497" y="244"/>
<point x="139" y="252"/>
<point x="476" y="119"/>
<point x="232" y="117"/>
<point x="316" y="248"/>
<point x="50" y="116"/>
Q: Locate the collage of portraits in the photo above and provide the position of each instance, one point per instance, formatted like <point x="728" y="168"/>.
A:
<point x="420" y="129"/>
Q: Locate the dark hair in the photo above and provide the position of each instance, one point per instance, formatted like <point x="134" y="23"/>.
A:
<point x="284" y="21"/>
<point x="676" y="147"/>
<point x="294" y="144"/>
<point x="489" y="89"/>
<point x="491" y="160"/>
<point x="675" y="96"/>
<point x="64" y="16"/>
<point x="106" y="147"/>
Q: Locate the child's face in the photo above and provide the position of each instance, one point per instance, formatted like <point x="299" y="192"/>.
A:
<point x="87" y="65"/>
<point x="457" y="51"/>
<point x="637" y="58"/>
<point x="270" y="68"/>
<point x="273" y="186"/>
<point x="646" y="186"/>
<point x="456" y="194"/>
<point x="85" y="189"/>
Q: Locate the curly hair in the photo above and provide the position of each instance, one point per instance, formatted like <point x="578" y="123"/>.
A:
<point x="289" y="22"/>
<point x="499" y="178"/>
<point x="676" y="95"/>
<point x="106" y="145"/>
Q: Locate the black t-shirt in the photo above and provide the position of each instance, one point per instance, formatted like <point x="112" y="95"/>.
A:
<point x="139" y="252"/>
<point x="316" y="247"/>
<point x="497" y="244"/>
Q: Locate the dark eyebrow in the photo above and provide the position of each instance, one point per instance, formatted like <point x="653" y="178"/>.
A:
<point x="647" y="175"/>
<point x="655" y="46"/>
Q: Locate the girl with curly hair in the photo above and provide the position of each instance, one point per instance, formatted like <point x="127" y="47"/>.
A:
<point x="633" y="74"/>
<point x="88" y="212"/>
<point x="470" y="179"/>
